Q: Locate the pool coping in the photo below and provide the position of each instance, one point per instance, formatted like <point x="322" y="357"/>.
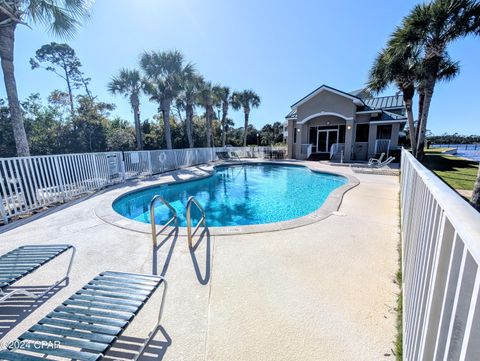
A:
<point x="331" y="204"/>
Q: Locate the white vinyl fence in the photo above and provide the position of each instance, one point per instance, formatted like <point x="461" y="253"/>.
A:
<point x="30" y="183"/>
<point x="441" y="276"/>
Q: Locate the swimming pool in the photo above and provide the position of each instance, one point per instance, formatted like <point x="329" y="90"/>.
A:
<point x="238" y="195"/>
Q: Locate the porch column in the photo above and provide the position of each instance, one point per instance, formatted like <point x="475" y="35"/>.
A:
<point x="347" y="155"/>
<point x="372" y="138"/>
<point x="290" y="145"/>
<point x="394" y="137"/>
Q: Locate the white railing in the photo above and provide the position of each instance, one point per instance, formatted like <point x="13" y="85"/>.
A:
<point x="306" y="149"/>
<point x="441" y="275"/>
<point x="31" y="183"/>
<point x="382" y="146"/>
<point x="336" y="148"/>
<point x="148" y="162"/>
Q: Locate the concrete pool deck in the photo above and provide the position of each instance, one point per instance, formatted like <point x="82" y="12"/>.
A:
<point x="323" y="291"/>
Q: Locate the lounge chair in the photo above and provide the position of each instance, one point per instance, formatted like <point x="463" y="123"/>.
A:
<point x="223" y="155"/>
<point x="234" y="155"/>
<point x="86" y="325"/>
<point x="24" y="260"/>
<point x="373" y="161"/>
<point x="382" y="164"/>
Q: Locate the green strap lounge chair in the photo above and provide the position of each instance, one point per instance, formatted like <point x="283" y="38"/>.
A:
<point x="25" y="260"/>
<point x="86" y="325"/>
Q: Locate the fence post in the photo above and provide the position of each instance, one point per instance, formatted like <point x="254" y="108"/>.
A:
<point x="122" y="166"/>
<point x="60" y="178"/>
<point x="175" y="156"/>
<point x="150" y="170"/>
<point x="3" y="212"/>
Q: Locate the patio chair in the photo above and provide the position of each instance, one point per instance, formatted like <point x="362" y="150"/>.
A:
<point x="23" y="261"/>
<point x="86" y="325"/>
<point x="373" y="161"/>
<point x="223" y="155"/>
<point x="384" y="163"/>
<point x="234" y="155"/>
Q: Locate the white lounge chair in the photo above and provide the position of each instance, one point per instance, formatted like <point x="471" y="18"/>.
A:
<point x="374" y="161"/>
<point x="382" y="164"/>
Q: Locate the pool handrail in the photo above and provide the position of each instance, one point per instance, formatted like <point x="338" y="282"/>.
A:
<point x="193" y="200"/>
<point x="154" y="200"/>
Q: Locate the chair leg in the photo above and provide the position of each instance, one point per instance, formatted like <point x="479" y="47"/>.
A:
<point x="64" y="278"/>
<point x="4" y="296"/>
<point x="155" y="328"/>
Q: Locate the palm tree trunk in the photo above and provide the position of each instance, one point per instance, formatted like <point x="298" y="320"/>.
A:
<point x="475" y="200"/>
<point x="421" y="99"/>
<point x="138" y="130"/>
<point x="245" y="129"/>
<point x="208" y="125"/>
<point x="166" y="123"/>
<point x="224" y="127"/>
<point x="7" y="40"/>
<point x="224" y="130"/>
<point x="188" y="124"/>
<point x="411" y="124"/>
<point x="423" y="120"/>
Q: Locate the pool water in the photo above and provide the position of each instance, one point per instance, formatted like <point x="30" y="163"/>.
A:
<point x="238" y="195"/>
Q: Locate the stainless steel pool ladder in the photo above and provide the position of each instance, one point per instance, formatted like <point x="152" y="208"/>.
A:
<point x="174" y="218"/>
<point x="203" y="220"/>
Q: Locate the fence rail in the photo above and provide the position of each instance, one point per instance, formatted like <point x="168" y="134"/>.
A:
<point x="31" y="183"/>
<point x="441" y="276"/>
<point x="474" y="146"/>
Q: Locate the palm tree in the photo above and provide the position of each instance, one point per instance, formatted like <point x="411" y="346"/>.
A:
<point x="434" y="26"/>
<point x="229" y="124"/>
<point x="61" y="16"/>
<point x="186" y="100"/>
<point x="206" y="97"/>
<point x="397" y="64"/>
<point x="224" y="98"/>
<point x="129" y="83"/>
<point x="246" y="99"/>
<point x="164" y="72"/>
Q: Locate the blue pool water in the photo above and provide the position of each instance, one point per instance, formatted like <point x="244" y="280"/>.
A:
<point x="238" y="195"/>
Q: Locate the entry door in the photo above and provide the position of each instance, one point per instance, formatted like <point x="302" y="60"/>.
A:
<point x="332" y="138"/>
<point x="325" y="139"/>
<point x="322" y="141"/>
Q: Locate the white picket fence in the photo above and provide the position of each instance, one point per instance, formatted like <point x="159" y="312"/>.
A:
<point x="441" y="275"/>
<point x="30" y="183"/>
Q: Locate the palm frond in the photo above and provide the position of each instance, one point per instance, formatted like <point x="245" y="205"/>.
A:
<point x="62" y="17"/>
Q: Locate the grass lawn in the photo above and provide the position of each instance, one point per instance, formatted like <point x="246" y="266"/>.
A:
<point x="458" y="173"/>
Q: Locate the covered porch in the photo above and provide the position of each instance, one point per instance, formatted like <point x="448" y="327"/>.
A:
<point x="337" y="138"/>
<point x="327" y="134"/>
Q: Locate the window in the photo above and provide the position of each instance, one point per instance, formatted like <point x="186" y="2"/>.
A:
<point x="313" y="135"/>
<point x="384" y="131"/>
<point x="295" y="135"/>
<point x="361" y="134"/>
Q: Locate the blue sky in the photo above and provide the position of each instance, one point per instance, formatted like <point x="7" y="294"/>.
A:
<point x="281" y="49"/>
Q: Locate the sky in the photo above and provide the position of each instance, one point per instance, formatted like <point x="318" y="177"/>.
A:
<point x="280" y="49"/>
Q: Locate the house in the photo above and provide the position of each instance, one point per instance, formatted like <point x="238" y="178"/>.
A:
<point x="330" y="123"/>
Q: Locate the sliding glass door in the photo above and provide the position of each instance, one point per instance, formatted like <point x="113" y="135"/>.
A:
<point x="325" y="139"/>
